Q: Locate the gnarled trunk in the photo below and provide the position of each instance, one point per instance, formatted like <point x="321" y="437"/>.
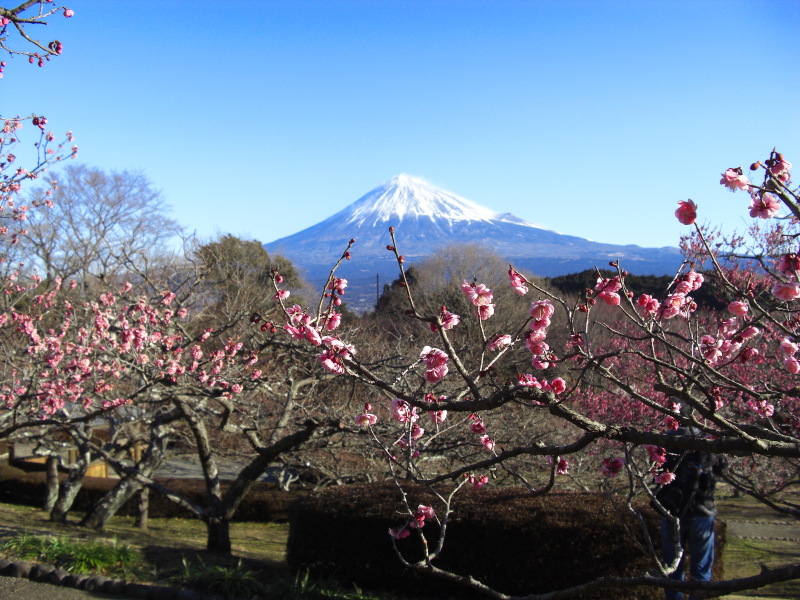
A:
<point x="107" y="506"/>
<point x="219" y="535"/>
<point x="72" y="485"/>
<point x="51" y="468"/>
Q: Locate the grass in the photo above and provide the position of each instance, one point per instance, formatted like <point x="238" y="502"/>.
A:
<point x="173" y="551"/>
<point x="745" y="556"/>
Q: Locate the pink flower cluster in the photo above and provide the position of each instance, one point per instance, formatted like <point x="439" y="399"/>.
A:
<point x="761" y="407"/>
<point x="789" y="349"/>
<point x="541" y="312"/>
<point x="438" y="416"/>
<point x="607" y="290"/>
<point x="403" y="412"/>
<point x="557" y="386"/>
<point x="730" y="340"/>
<point x="435" y="364"/>
<point x="779" y="166"/>
<point x="517" y="282"/>
<point x="677" y="303"/>
<point x="611" y="467"/>
<point x="481" y="298"/>
<point x="657" y="454"/>
<point x="418" y="521"/>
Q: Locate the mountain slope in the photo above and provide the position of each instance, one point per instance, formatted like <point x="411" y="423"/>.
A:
<point x="426" y="218"/>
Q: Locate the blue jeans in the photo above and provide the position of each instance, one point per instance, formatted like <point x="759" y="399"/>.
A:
<point x="697" y="537"/>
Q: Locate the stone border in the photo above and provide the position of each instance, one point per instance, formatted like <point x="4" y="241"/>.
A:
<point x="43" y="573"/>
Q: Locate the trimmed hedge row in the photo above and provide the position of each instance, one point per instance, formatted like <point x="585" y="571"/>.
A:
<point x="504" y="537"/>
<point x="264" y="503"/>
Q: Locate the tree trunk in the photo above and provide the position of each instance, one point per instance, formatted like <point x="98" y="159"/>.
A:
<point x="71" y="487"/>
<point x="107" y="506"/>
<point x="219" y="535"/>
<point x="51" y="468"/>
<point x="143" y="507"/>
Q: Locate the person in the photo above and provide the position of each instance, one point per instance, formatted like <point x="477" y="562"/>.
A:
<point x="690" y="498"/>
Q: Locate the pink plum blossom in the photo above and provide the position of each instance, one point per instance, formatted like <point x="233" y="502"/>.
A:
<point x="733" y="179"/>
<point x="562" y="466"/>
<point x="664" y="478"/>
<point x="436" y="363"/>
<point x="498" y="342"/>
<point x="402" y="412"/>
<point x="656" y="453"/>
<point x="478" y="482"/>
<point x="648" y="304"/>
<point x="478" y="294"/>
<point x="786" y="291"/>
<point x="517" y="282"/>
<point x="487" y="442"/>
<point x="738" y="308"/>
<point x="542" y="310"/>
<point x="789" y="264"/>
<point x="449" y="320"/>
<point x="484" y="311"/>
<point x="792" y="365"/>
<point x="366" y="419"/>
<point x="612" y="466"/>
<point x="527" y="380"/>
<point x="686" y="212"/>
<point x="780" y="167"/>
<point x="749" y="332"/>
<point x="764" y="207"/>
<point x="788" y="347"/>
<point x="399" y="533"/>
<point x="477" y="425"/>
<point x="762" y="407"/>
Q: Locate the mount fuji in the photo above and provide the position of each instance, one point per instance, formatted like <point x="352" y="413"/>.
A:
<point x="426" y="218"/>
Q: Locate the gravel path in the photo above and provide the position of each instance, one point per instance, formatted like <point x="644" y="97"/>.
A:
<point x="12" y="588"/>
<point x="765" y="530"/>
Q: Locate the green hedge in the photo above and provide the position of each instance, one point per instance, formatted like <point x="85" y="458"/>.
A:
<point x="506" y="538"/>
<point x="264" y="503"/>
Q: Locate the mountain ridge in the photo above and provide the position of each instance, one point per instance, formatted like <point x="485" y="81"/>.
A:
<point x="426" y="218"/>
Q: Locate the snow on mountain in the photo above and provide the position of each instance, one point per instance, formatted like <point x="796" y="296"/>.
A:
<point x="406" y="197"/>
<point x="426" y="218"/>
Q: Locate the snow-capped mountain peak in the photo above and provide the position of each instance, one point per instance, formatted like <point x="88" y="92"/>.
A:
<point x="406" y="197"/>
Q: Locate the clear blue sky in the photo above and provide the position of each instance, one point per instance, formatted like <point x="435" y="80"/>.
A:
<point x="261" y="118"/>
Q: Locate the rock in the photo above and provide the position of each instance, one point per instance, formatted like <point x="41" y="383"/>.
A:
<point x="114" y="587"/>
<point x="188" y="595"/>
<point x="20" y="569"/>
<point x="5" y="566"/>
<point x="58" y="576"/>
<point x="41" y="572"/>
<point x="137" y="590"/>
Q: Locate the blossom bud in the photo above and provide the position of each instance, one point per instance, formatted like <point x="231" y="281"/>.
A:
<point x="390" y="248"/>
<point x="352" y="241"/>
<point x="401" y="259"/>
<point x="754" y="166"/>
<point x="391" y="229"/>
<point x="347" y="256"/>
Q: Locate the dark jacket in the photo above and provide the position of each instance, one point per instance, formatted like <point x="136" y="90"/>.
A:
<point x="696" y="473"/>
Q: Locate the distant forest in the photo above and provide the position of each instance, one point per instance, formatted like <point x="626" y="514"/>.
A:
<point x="707" y="296"/>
